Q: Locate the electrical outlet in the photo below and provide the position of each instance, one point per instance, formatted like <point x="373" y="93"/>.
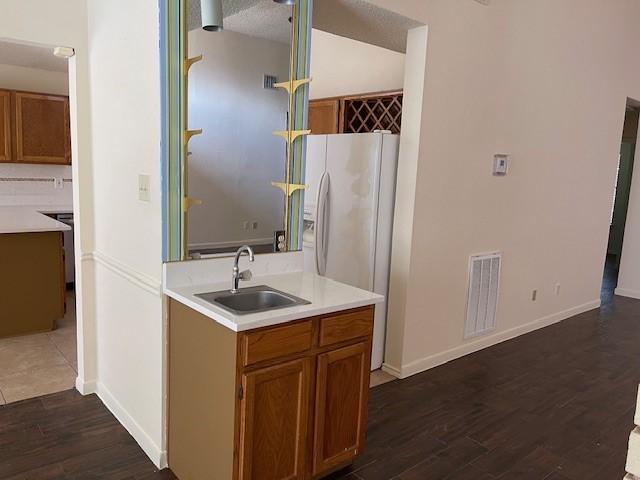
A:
<point x="279" y="241"/>
<point x="144" y="187"/>
<point x="58" y="183"/>
<point x="557" y="289"/>
<point x="534" y="295"/>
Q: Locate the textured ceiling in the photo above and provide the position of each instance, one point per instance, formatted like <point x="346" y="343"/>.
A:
<point x="31" y="56"/>
<point x="356" y="19"/>
<point x="360" y="20"/>
<point x="257" y="18"/>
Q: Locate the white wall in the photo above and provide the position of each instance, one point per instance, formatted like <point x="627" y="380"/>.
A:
<point x="546" y="82"/>
<point x="13" y="77"/>
<point x="342" y="66"/>
<point x="64" y="23"/>
<point x="125" y="113"/>
<point x="237" y="157"/>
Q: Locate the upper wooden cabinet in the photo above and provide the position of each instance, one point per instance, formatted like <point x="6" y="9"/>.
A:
<point x="5" y="126"/>
<point x="34" y="128"/>
<point x="42" y="128"/>
<point x="324" y="116"/>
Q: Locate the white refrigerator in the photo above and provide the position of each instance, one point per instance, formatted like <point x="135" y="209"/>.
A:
<point x="348" y="212"/>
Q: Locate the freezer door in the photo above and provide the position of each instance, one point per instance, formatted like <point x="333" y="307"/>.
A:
<point x="353" y="163"/>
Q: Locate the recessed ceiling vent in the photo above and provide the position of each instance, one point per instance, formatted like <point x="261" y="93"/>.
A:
<point x="270" y="81"/>
<point x="482" y="303"/>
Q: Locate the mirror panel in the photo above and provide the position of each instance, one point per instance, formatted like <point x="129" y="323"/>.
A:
<point x="232" y="97"/>
<point x="239" y="180"/>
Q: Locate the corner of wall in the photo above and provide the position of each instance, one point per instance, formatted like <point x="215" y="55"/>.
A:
<point x="415" y="72"/>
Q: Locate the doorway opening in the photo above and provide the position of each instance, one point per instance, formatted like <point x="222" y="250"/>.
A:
<point x="38" y="331"/>
<point x="620" y="199"/>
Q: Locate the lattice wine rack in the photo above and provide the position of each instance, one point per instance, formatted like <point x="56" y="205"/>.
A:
<point x="364" y="114"/>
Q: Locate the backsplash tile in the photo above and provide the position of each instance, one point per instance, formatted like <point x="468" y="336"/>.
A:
<point x="23" y="191"/>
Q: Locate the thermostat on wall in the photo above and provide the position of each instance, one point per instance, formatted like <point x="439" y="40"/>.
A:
<point x="500" y="164"/>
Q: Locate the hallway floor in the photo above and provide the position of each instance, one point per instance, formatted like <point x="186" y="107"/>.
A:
<point x="556" y="404"/>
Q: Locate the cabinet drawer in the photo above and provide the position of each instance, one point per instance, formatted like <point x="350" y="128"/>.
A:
<point x="346" y="326"/>
<point x="277" y="342"/>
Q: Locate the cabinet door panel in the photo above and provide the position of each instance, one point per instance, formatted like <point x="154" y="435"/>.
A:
<point x="274" y="416"/>
<point x="342" y="388"/>
<point x="324" y="116"/>
<point x="5" y="126"/>
<point x="42" y="128"/>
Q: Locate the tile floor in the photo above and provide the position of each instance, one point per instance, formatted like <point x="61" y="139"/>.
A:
<point x="40" y="364"/>
<point x="379" y="377"/>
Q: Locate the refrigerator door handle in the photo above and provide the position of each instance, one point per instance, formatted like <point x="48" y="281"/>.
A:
<point x="320" y="227"/>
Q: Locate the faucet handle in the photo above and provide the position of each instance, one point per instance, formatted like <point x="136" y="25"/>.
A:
<point x="245" y="275"/>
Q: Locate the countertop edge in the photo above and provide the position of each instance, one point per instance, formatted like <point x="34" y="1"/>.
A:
<point x="48" y="224"/>
<point x="284" y="318"/>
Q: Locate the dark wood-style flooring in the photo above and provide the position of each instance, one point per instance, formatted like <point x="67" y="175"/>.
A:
<point x="556" y="404"/>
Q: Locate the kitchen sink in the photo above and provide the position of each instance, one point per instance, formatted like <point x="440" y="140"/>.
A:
<point x="252" y="300"/>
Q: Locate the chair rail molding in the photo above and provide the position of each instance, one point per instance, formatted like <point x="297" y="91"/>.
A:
<point x="141" y="280"/>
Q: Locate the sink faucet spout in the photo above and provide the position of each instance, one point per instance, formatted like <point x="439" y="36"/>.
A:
<point x="237" y="275"/>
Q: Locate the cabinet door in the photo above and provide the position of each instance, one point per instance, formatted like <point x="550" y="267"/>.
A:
<point x="42" y="128"/>
<point x="5" y="126"/>
<point x="342" y="388"/>
<point x="324" y="117"/>
<point x="273" y="422"/>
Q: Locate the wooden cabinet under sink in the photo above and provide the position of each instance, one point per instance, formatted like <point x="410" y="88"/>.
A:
<point x="283" y="402"/>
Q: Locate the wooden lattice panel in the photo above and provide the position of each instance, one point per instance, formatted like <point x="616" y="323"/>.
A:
<point x="370" y="113"/>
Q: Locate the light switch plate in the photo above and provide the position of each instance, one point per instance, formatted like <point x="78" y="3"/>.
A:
<point x="144" y="186"/>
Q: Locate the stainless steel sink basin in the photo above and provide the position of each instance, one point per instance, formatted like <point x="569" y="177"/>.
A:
<point x="252" y="300"/>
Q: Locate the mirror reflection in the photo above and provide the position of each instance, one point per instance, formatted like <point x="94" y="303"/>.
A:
<point x="246" y="47"/>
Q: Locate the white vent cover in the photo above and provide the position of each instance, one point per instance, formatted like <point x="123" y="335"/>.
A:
<point x="482" y="303"/>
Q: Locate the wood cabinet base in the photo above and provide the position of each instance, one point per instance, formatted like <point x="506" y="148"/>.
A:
<point x="284" y="402"/>
<point x="32" y="282"/>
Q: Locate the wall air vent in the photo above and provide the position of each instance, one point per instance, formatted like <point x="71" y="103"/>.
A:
<point x="270" y="81"/>
<point x="482" y="302"/>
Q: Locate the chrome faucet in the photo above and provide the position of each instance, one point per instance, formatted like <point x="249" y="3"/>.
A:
<point x="237" y="274"/>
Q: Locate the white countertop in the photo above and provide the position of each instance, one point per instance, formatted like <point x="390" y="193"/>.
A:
<point x="325" y="295"/>
<point x="31" y="219"/>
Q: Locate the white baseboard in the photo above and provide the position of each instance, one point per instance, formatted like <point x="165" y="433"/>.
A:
<point x="157" y="456"/>
<point x="84" y="387"/>
<point x="624" y="292"/>
<point x="391" y="370"/>
<point x="441" y="358"/>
